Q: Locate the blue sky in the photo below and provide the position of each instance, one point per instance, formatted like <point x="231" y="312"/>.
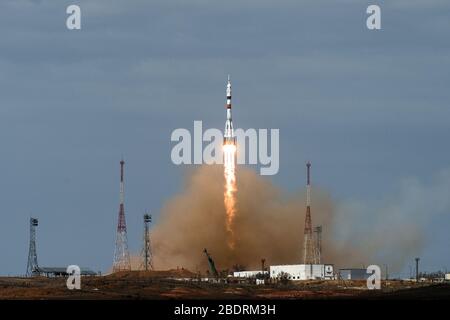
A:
<point x="368" y="108"/>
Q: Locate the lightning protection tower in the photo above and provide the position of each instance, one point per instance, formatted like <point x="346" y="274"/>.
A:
<point x="32" y="266"/>
<point x="121" y="254"/>
<point x="318" y="256"/>
<point x="147" y="257"/>
<point x="308" y="243"/>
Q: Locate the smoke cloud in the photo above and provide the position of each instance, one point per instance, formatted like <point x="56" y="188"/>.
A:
<point x="269" y="224"/>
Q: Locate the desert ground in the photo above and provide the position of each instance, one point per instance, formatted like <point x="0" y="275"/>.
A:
<point x="181" y="284"/>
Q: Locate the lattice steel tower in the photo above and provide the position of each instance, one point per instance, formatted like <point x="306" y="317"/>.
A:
<point x="147" y="257"/>
<point x="308" y="242"/>
<point x="318" y="256"/>
<point x="121" y="254"/>
<point x="32" y="266"/>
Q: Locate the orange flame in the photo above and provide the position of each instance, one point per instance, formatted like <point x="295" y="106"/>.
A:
<point x="229" y="152"/>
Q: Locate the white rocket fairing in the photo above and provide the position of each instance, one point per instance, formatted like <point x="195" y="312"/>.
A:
<point x="228" y="136"/>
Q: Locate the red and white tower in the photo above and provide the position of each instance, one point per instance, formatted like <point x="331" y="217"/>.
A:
<point x="121" y="254"/>
<point x="308" y="242"/>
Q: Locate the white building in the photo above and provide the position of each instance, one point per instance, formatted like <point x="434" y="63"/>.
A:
<point x="247" y="274"/>
<point x="303" y="271"/>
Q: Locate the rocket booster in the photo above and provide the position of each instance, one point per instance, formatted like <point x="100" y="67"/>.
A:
<point x="228" y="136"/>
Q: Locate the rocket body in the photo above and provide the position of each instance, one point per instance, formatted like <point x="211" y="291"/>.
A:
<point x="228" y="136"/>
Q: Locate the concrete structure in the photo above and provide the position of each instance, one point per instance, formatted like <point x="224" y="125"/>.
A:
<point x="248" y="274"/>
<point x="353" y="274"/>
<point x="303" y="271"/>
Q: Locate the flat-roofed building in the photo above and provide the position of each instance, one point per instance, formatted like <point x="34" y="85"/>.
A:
<point x="303" y="271"/>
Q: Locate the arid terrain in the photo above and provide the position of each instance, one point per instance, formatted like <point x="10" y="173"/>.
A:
<point x="175" y="285"/>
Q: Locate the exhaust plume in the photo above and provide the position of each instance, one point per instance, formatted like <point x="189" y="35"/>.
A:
<point x="269" y="224"/>
<point x="229" y="195"/>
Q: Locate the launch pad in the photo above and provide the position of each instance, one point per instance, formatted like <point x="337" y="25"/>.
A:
<point x="181" y="284"/>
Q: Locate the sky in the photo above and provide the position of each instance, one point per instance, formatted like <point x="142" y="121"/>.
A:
<point x="368" y="108"/>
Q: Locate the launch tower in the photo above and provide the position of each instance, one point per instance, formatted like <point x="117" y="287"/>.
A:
<point x="121" y="254"/>
<point x="308" y="242"/>
<point x="32" y="266"/>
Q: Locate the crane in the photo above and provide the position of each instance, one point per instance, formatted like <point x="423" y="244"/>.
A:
<point x="212" y="267"/>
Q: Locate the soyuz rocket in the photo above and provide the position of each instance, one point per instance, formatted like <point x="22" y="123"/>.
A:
<point x="228" y="136"/>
